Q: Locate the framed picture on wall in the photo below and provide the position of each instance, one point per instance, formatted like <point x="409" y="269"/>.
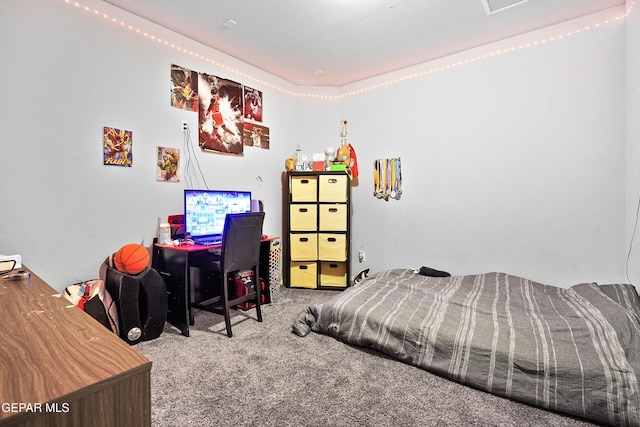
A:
<point x="255" y="135"/>
<point x="220" y="114"/>
<point x="252" y="104"/>
<point x="184" y="88"/>
<point x="168" y="165"/>
<point x="117" y="147"/>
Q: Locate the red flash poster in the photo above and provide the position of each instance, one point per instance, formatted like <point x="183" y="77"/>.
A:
<point x="117" y="147"/>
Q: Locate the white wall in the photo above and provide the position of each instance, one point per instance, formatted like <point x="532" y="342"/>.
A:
<point x="68" y="73"/>
<point x="513" y="163"/>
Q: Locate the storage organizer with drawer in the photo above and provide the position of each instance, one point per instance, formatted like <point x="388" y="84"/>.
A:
<point x="333" y="217"/>
<point x="333" y="188"/>
<point x="333" y="274"/>
<point x="332" y="247"/>
<point x="304" y="274"/>
<point x="318" y="230"/>
<point x="304" y="188"/>
<point x="304" y="246"/>
<point x="303" y="217"/>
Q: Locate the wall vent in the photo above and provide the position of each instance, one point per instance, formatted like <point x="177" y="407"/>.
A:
<point x="493" y="6"/>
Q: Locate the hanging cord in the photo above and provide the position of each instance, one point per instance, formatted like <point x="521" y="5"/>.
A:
<point x="189" y="154"/>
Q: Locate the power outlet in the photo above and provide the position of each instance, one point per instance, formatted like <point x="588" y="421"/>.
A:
<point x="361" y="255"/>
<point x="185" y="125"/>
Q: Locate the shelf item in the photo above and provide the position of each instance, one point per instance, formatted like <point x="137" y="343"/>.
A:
<point x="317" y="219"/>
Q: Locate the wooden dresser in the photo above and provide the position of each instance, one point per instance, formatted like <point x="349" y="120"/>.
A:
<point x="59" y="366"/>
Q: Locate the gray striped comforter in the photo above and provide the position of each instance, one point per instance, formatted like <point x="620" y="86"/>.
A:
<point x="573" y="350"/>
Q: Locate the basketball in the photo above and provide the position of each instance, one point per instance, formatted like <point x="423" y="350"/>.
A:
<point x="131" y="259"/>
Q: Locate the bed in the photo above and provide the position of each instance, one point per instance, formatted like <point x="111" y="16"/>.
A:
<point x="572" y="350"/>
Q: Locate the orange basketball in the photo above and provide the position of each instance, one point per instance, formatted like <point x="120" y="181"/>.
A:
<point x="131" y="259"/>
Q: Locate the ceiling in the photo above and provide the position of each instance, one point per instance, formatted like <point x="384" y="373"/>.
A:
<point x="337" y="42"/>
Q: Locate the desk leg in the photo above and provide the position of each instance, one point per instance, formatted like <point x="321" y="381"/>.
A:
<point x="189" y="289"/>
<point x="173" y="267"/>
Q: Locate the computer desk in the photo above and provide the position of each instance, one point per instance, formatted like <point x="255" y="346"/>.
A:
<point x="187" y="284"/>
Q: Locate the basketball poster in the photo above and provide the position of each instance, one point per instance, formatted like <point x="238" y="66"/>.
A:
<point x="255" y="135"/>
<point x="220" y="114"/>
<point x="184" y="88"/>
<point x="168" y="165"/>
<point x="117" y="147"/>
<point x="230" y="114"/>
<point x="252" y="104"/>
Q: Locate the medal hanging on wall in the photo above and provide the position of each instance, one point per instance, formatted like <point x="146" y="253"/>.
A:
<point x="387" y="179"/>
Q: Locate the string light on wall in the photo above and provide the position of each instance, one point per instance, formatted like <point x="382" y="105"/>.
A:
<point x="391" y="81"/>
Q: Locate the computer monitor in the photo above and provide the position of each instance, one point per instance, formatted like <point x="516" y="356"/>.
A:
<point x="205" y="212"/>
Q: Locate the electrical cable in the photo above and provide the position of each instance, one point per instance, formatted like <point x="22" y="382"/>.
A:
<point x="187" y="157"/>
<point x="204" y="180"/>
<point x="190" y="153"/>
<point x="633" y="235"/>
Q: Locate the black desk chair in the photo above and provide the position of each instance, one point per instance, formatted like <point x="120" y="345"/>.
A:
<point x="240" y="252"/>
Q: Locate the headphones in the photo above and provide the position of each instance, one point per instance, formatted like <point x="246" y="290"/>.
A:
<point x="183" y="242"/>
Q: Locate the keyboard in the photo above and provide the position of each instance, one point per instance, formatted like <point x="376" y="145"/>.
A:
<point x="208" y="241"/>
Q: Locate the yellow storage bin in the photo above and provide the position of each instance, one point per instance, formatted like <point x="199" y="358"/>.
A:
<point x="304" y="246"/>
<point x="303" y="217"/>
<point x="333" y="188"/>
<point x="333" y="274"/>
<point x="303" y="275"/>
<point x="332" y="247"/>
<point x="304" y="188"/>
<point x="333" y="217"/>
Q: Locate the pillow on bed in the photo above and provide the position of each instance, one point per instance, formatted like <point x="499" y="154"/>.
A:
<point x="426" y="271"/>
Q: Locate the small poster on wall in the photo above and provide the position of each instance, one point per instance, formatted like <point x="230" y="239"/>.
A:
<point x="255" y="135"/>
<point x="252" y="104"/>
<point x="184" y="88"/>
<point x="117" y="147"/>
<point x="168" y="166"/>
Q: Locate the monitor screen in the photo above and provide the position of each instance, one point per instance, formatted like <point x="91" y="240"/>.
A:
<point x="205" y="210"/>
